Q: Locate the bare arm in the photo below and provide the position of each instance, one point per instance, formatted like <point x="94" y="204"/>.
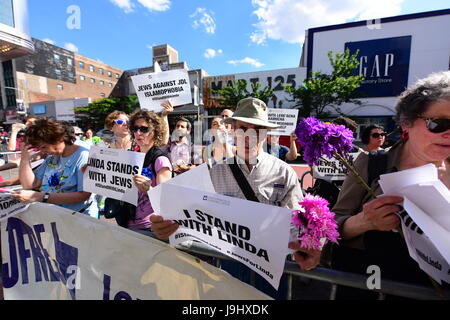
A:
<point x="26" y="174"/>
<point x="163" y="175"/>
<point x="55" y="198"/>
<point x="12" y="143"/>
<point x="293" y="152"/>
<point x="10" y="182"/>
<point x="164" y="116"/>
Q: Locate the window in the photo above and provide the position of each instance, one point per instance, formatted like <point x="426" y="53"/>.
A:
<point x="59" y="87"/>
<point x="70" y="61"/>
<point x="117" y="76"/>
<point x="102" y="82"/>
<point x="110" y="85"/>
<point x="7" y="13"/>
<point x="58" y="72"/>
<point x="92" y="80"/>
<point x="70" y="74"/>
<point x="102" y="95"/>
<point x="82" y="77"/>
<point x="56" y="57"/>
<point x="101" y="71"/>
<point x="81" y="65"/>
<point x="109" y="73"/>
<point x="91" y="68"/>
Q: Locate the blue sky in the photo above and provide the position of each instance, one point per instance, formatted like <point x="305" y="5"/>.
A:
<point x="220" y="36"/>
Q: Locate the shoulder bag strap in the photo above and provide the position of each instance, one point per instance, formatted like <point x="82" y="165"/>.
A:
<point x="243" y="183"/>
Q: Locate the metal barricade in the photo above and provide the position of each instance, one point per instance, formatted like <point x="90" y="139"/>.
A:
<point x="335" y="277"/>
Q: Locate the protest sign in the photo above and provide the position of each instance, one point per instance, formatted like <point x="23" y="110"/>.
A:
<point x="154" y="88"/>
<point x="10" y="206"/>
<point x="110" y="173"/>
<point x="49" y="253"/>
<point x="285" y="118"/>
<point x="243" y="230"/>
<point x="332" y="169"/>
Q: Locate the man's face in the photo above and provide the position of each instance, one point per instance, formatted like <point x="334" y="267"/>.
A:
<point x="226" y="114"/>
<point x="181" y="129"/>
<point x="249" y="140"/>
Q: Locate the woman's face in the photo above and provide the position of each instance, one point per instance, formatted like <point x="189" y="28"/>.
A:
<point x="89" y="134"/>
<point x="429" y="146"/>
<point x="377" y="137"/>
<point x="142" y="138"/>
<point x="53" y="149"/>
<point x="121" y="129"/>
<point x="217" y="124"/>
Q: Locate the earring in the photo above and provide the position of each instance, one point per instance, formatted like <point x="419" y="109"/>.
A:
<point x="405" y="136"/>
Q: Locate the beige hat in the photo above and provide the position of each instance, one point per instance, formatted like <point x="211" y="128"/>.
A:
<point x="253" y="111"/>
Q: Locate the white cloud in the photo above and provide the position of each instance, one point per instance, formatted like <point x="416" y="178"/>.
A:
<point x="49" y="41"/>
<point x="211" y="53"/>
<point x="247" y="60"/>
<point x="156" y="5"/>
<point x="287" y="20"/>
<point x="70" y="46"/>
<point x="205" y="19"/>
<point x="126" y="5"/>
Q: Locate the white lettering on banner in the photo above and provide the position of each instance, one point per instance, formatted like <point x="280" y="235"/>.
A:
<point x="110" y="173"/>
<point x="10" y="206"/>
<point x="153" y="88"/>
<point x="285" y="118"/>
<point x="240" y="229"/>
<point x="49" y="253"/>
<point x="332" y="169"/>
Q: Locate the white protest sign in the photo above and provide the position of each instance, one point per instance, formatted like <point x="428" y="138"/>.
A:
<point x="285" y="118"/>
<point x="10" y="206"/>
<point x="50" y="253"/>
<point x="110" y="173"/>
<point x="332" y="169"/>
<point x="243" y="230"/>
<point x="154" y="88"/>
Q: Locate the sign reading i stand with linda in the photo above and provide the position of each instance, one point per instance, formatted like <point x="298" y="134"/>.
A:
<point x="154" y="88"/>
<point x="384" y="63"/>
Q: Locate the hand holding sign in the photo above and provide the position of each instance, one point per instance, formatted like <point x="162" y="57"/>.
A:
<point x="163" y="228"/>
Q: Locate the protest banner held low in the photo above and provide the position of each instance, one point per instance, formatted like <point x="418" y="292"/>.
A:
<point x="285" y="118"/>
<point x="252" y="233"/>
<point x="110" y="173"/>
<point x="154" y="88"/>
<point x="52" y="253"/>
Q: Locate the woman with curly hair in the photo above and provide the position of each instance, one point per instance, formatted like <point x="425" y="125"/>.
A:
<point x="59" y="179"/>
<point x="148" y="131"/>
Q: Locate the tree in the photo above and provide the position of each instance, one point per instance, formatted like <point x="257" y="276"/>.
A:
<point x="322" y="91"/>
<point x="231" y="95"/>
<point x="94" y="114"/>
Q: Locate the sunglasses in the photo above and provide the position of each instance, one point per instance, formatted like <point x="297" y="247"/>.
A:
<point x="121" y="122"/>
<point x="377" y="135"/>
<point x="142" y="129"/>
<point x="437" y="125"/>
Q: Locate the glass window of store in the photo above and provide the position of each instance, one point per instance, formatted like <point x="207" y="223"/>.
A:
<point x="7" y="12"/>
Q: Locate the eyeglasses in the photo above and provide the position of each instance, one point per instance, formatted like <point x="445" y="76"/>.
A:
<point x="143" y="129"/>
<point x="377" y="135"/>
<point x="78" y="134"/>
<point x="437" y="125"/>
<point x="121" y="122"/>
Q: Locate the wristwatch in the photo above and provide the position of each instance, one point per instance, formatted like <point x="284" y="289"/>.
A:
<point x="46" y="196"/>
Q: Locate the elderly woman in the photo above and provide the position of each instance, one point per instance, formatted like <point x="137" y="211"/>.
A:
<point x="148" y="132"/>
<point x="373" y="137"/>
<point x="219" y="145"/>
<point x="367" y="226"/>
<point x="117" y="122"/>
<point x="59" y="179"/>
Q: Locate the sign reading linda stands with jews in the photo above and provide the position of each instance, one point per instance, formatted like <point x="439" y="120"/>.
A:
<point x="285" y="118"/>
<point x="252" y="233"/>
<point x="332" y="169"/>
<point x="110" y="173"/>
<point x="154" y="88"/>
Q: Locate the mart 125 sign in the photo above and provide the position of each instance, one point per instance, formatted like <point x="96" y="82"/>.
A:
<point x="384" y="63"/>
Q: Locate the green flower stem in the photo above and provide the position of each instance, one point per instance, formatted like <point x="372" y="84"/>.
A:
<point x="359" y="179"/>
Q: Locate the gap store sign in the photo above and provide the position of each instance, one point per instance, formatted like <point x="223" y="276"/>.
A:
<point x="384" y="63"/>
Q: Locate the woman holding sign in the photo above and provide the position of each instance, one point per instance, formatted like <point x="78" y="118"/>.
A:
<point x="148" y="133"/>
<point x="59" y="180"/>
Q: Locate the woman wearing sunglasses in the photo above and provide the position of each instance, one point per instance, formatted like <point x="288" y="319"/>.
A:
<point x="148" y="132"/>
<point x="367" y="226"/>
<point x="373" y="137"/>
<point x="117" y="122"/>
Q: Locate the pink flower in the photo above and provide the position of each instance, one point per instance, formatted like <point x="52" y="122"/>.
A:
<point x="316" y="222"/>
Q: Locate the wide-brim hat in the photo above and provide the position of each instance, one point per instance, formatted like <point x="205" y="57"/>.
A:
<point x="253" y="111"/>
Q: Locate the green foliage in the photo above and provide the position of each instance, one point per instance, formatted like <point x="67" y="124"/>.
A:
<point x="238" y="91"/>
<point x="321" y="91"/>
<point x="94" y="114"/>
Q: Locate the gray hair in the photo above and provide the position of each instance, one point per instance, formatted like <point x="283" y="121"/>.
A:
<point x="416" y="99"/>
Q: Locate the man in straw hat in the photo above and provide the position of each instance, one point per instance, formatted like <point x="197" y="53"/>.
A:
<point x="271" y="181"/>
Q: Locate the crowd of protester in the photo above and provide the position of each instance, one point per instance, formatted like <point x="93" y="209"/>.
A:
<point x="366" y="225"/>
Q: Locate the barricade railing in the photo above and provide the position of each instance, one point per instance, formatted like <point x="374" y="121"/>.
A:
<point x="7" y="156"/>
<point x="335" y="277"/>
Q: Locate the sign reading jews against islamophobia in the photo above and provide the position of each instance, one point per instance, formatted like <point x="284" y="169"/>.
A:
<point x="243" y="230"/>
<point x="10" y="206"/>
<point x="332" y="169"/>
<point x="110" y="173"/>
<point x="154" y="88"/>
<point x="384" y="63"/>
<point x="285" y="118"/>
<point x="50" y="253"/>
